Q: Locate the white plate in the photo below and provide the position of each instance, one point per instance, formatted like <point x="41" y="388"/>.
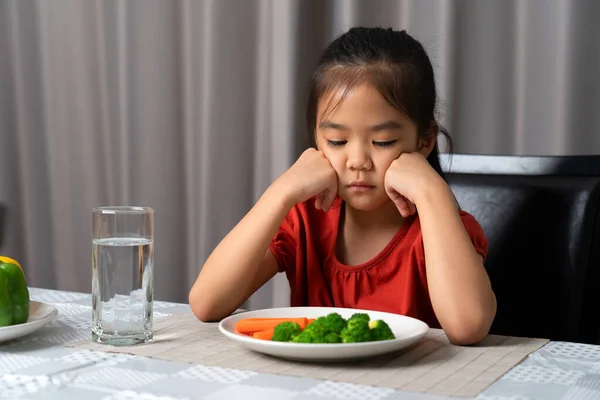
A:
<point x="406" y="330"/>
<point x="39" y="315"/>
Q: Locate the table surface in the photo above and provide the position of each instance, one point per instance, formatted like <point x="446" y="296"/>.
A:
<point x="39" y="366"/>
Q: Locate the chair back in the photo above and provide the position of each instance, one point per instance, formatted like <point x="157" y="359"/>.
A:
<point x="541" y="216"/>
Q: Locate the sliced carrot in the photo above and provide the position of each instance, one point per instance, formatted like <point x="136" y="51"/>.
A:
<point x="251" y="325"/>
<point x="311" y="320"/>
<point x="264" y="335"/>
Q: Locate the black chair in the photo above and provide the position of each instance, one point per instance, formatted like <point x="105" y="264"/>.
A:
<point x="541" y="216"/>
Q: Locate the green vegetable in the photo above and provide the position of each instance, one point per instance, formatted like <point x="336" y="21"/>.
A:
<point x="304" y="337"/>
<point x="14" y="295"/>
<point x="333" y="328"/>
<point x="332" y="323"/>
<point x="313" y="333"/>
<point x="286" y="331"/>
<point x="356" y="331"/>
<point x="359" y="316"/>
<point x="332" y="338"/>
<point x="380" y="330"/>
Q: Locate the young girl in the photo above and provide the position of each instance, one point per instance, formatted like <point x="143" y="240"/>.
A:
<point x="365" y="219"/>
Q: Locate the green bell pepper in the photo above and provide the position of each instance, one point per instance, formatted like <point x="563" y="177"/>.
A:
<point x="14" y="295"/>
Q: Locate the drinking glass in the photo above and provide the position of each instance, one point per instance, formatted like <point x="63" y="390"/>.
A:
<point x="122" y="274"/>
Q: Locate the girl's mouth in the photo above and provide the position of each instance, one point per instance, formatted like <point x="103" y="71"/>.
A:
<point x="360" y="187"/>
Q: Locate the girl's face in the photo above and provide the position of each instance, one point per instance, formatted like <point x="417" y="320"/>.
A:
<point x="361" y="138"/>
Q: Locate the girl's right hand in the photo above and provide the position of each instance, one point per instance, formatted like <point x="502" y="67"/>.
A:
<point x="312" y="175"/>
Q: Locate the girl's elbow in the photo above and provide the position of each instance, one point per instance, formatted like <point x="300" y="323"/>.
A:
<point x="201" y="308"/>
<point x="468" y="332"/>
<point x="472" y="326"/>
<point x="466" y="336"/>
<point x="201" y="313"/>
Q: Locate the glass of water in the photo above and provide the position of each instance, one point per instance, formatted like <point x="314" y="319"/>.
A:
<point x="122" y="275"/>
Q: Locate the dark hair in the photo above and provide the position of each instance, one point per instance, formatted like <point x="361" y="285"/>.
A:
<point x="394" y="63"/>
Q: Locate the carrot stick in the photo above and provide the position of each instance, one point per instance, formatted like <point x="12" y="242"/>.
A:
<point x="264" y="335"/>
<point x="251" y="325"/>
<point x="310" y="321"/>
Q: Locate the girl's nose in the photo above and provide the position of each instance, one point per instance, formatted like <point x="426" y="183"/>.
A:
<point x="359" y="159"/>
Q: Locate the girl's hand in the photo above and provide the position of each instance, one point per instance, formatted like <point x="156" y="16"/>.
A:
<point x="409" y="177"/>
<point x="312" y="175"/>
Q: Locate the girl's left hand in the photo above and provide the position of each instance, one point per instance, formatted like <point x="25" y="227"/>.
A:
<point x="407" y="178"/>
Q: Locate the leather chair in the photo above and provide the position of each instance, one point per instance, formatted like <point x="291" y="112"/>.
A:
<point x="541" y="216"/>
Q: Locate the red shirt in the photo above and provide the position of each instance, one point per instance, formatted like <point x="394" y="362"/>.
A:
<point x="393" y="281"/>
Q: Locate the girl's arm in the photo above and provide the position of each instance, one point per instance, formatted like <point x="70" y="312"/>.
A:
<point x="242" y="262"/>
<point x="459" y="287"/>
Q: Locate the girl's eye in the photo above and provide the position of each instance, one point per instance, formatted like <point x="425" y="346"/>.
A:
<point x="385" y="144"/>
<point x="336" y="143"/>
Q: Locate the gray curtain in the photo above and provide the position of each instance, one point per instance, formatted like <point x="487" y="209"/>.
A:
<point x="194" y="107"/>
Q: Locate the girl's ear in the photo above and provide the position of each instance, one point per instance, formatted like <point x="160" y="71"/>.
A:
<point x="427" y="141"/>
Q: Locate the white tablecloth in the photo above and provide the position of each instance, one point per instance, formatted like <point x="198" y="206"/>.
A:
<point x="39" y="366"/>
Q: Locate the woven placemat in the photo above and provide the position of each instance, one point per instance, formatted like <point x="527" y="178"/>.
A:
<point x="432" y="365"/>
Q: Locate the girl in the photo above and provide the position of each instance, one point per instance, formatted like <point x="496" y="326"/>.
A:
<point x="365" y="219"/>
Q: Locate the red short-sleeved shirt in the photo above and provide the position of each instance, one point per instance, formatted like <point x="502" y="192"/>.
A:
<point x="393" y="281"/>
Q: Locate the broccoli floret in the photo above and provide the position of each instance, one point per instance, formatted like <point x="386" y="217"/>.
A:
<point x="286" y="331"/>
<point x="304" y="337"/>
<point x="316" y="332"/>
<point x="335" y="323"/>
<point x="313" y="333"/>
<point x="380" y="330"/>
<point x="356" y="331"/>
<point x="332" y="338"/>
<point x="332" y="323"/>
<point x="359" y="316"/>
<point x="358" y="319"/>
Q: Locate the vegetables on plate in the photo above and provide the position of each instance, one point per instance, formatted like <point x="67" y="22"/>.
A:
<point x="332" y="328"/>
